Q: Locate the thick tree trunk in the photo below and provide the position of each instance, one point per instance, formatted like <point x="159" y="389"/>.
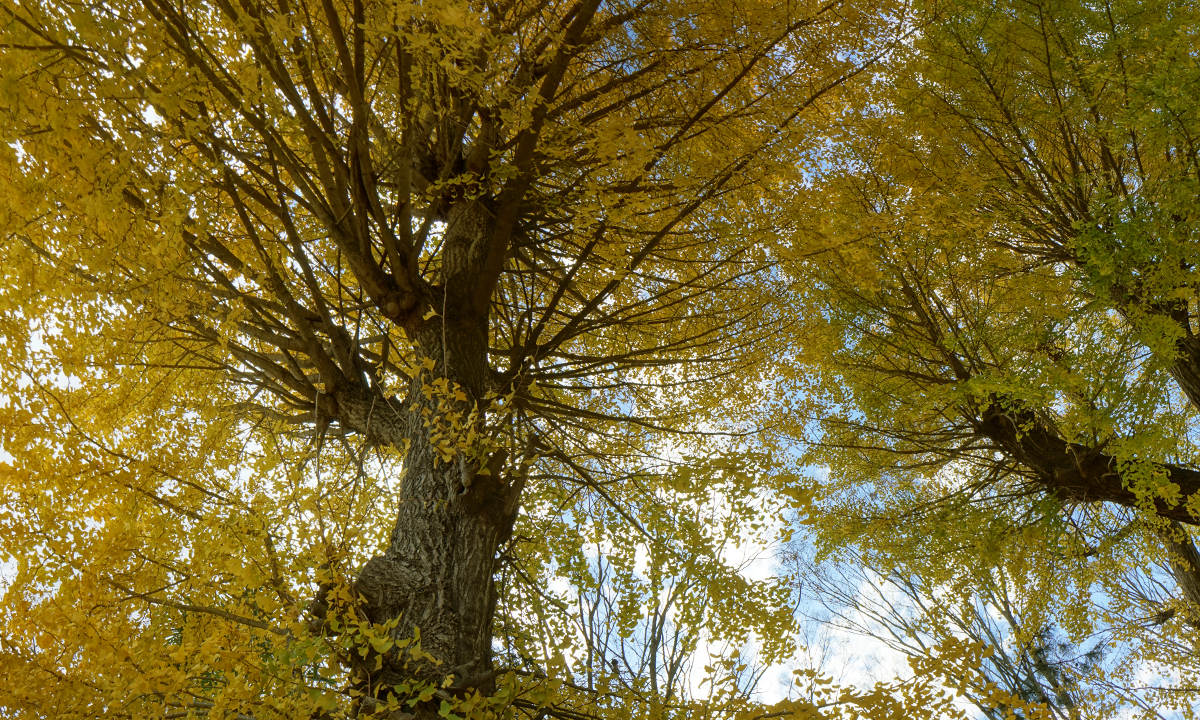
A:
<point x="437" y="575"/>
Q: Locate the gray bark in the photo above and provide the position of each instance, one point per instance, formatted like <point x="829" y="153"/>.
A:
<point x="437" y="574"/>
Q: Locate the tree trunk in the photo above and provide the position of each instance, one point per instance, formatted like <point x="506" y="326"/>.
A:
<point x="437" y="575"/>
<point x="1185" y="568"/>
<point x="1186" y="369"/>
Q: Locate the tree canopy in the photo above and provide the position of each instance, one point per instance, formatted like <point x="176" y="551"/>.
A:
<point x="324" y="321"/>
<point x="1003" y="319"/>
<point x="366" y="358"/>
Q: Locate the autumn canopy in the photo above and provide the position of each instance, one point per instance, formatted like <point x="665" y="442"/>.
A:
<point x="455" y="359"/>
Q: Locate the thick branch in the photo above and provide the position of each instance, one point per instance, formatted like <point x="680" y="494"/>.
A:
<point x="1077" y="472"/>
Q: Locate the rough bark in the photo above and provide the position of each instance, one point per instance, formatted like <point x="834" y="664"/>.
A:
<point x="437" y="574"/>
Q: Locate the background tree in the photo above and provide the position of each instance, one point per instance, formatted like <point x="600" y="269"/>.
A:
<point x="1000" y="300"/>
<point x="1040" y="168"/>
<point x="263" y="259"/>
<point x="676" y="624"/>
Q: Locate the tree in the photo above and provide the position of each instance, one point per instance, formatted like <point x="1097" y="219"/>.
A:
<point x="668" y="625"/>
<point x="1062" y="157"/>
<point x="960" y="336"/>
<point x="262" y="257"/>
<point x="1001" y="304"/>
